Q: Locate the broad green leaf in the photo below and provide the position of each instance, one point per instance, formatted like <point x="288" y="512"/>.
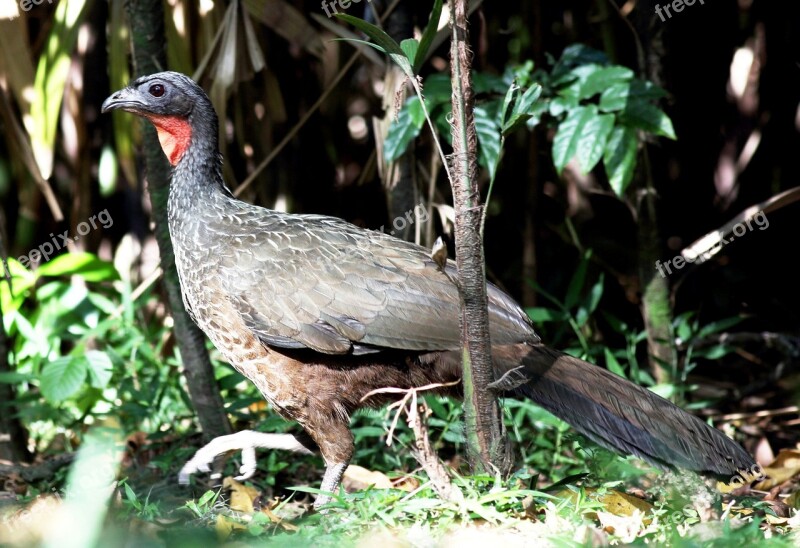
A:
<point x="410" y="46"/>
<point x="559" y="105"/>
<point x="438" y="89"/>
<point x="599" y="80"/>
<point x="100" y="368"/>
<point x="642" y="115"/>
<point x="400" y="134"/>
<point x="428" y="34"/>
<point x="575" y="55"/>
<point x="618" y="95"/>
<point x="382" y="40"/>
<point x="593" y="138"/>
<point x="620" y="158"/>
<point x="415" y="110"/>
<point x="84" y="264"/>
<point x="565" y="143"/>
<point x="489" y="140"/>
<point x="62" y="378"/>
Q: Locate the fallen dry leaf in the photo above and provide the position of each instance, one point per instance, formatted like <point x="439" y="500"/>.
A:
<point x="785" y="466"/>
<point x="242" y="496"/>
<point x="357" y="478"/>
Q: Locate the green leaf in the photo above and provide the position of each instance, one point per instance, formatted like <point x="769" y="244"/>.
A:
<point x="130" y="494"/>
<point x="593" y="138"/>
<point x="400" y="134"/>
<point x="523" y="109"/>
<point x="620" y="158"/>
<point x="559" y="105"/>
<point x="643" y="115"/>
<point x="410" y="46"/>
<point x="612" y="364"/>
<point x="52" y="74"/>
<point x="714" y="352"/>
<point x="415" y="110"/>
<point x="438" y="89"/>
<point x="382" y="40"/>
<point x="574" y="55"/>
<point x="576" y="283"/>
<point x="100" y="368"/>
<point x="599" y="80"/>
<point x="618" y="95"/>
<point x="428" y="34"/>
<point x="509" y="101"/>
<point x="15" y="378"/>
<point x="565" y="143"/>
<point x="62" y="378"/>
<point x="484" y="82"/>
<point x="718" y="326"/>
<point x="596" y="294"/>
<point x="207" y="498"/>
<point x="544" y="315"/>
<point x="489" y="140"/>
<point x="84" y="264"/>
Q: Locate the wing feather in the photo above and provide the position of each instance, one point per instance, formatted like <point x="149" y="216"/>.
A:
<point x="321" y="283"/>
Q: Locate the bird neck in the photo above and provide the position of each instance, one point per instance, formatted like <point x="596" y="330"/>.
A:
<point x="197" y="175"/>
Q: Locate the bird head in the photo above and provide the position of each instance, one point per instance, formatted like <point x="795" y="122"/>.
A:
<point x="177" y="107"/>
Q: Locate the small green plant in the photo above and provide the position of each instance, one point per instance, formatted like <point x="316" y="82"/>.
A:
<point x="133" y="505"/>
<point x="204" y="506"/>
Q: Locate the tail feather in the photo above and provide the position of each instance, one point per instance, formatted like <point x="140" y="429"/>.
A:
<point x="616" y="413"/>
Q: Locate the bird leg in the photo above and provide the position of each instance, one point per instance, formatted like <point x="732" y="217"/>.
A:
<point x="330" y="482"/>
<point x="335" y="442"/>
<point x="247" y="441"/>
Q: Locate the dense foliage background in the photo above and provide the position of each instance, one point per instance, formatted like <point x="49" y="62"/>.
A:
<point x="88" y="341"/>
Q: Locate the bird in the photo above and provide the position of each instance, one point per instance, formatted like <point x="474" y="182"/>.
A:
<point x="321" y="315"/>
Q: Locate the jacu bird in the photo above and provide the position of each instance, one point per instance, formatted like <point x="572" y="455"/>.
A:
<point x="318" y="313"/>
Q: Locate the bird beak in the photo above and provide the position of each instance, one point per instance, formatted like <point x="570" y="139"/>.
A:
<point x="124" y="99"/>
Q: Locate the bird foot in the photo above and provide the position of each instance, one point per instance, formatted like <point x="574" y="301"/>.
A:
<point x="245" y="441"/>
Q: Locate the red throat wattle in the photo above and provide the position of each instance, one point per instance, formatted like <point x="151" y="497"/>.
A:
<point x="174" y="134"/>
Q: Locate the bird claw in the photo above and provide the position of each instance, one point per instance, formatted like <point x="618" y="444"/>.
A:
<point x="248" y="467"/>
<point x="205" y="456"/>
<point x="245" y="441"/>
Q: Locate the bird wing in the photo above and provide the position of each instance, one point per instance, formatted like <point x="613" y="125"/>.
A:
<point x="309" y="281"/>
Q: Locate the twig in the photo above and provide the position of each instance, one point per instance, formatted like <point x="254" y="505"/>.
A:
<point x="425" y="455"/>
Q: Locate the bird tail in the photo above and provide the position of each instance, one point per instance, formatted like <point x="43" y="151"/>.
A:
<point x="618" y="414"/>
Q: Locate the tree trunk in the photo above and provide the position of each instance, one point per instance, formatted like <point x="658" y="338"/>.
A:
<point x="487" y="448"/>
<point x="146" y="18"/>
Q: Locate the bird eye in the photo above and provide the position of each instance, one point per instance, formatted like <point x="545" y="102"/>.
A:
<point x="157" y="90"/>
